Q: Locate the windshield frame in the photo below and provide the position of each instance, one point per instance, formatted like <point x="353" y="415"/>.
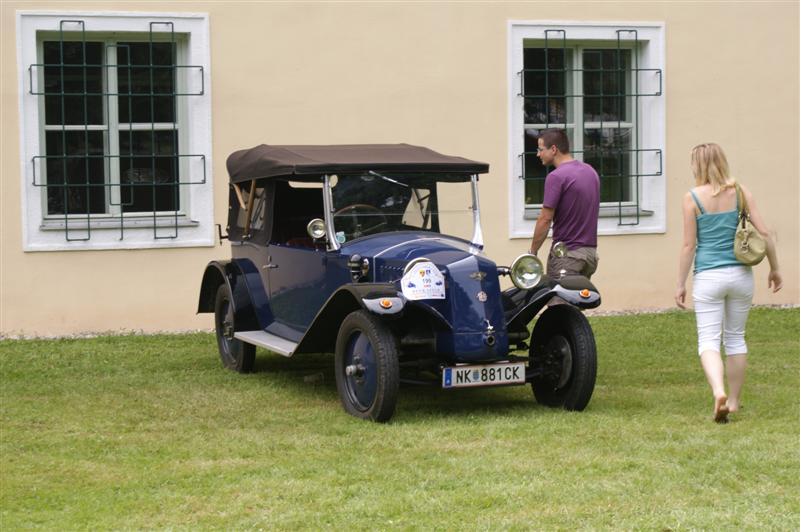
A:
<point x="476" y="241"/>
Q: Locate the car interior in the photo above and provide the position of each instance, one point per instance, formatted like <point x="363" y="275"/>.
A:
<point x="295" y="205"/>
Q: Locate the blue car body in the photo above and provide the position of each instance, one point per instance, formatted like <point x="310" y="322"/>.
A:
<point x="289" y="289"/>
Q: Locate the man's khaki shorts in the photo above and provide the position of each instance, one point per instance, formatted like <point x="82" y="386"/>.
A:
<point x="581" y="261"/>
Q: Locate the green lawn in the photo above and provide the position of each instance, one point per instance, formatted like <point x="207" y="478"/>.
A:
<point x="138" y="432"/>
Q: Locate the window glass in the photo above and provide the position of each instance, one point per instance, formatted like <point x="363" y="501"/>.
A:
<point x="146" y="73"/>
<point x="535" y="171"/>
<point x="148" y="170"/>
<point x="73" y="87"/>
<point x="545" y="86"/>
<point x="605" y="85"/>
<point x="372" y="203"/>
<point x="454" y="209"/>
<point x="82" y="140"/>
<point x="598" y="117"/>
<point x="78" y="155"/>
<point x="608" y="150"/>
<point x="259" y="216"/>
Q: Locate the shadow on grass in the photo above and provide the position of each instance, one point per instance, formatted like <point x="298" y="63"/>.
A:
<point x="312" y="376"/>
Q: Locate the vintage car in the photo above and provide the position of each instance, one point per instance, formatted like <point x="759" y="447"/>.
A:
<point x="375" y="253"/>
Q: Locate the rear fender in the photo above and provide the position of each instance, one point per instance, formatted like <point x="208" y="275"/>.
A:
<point x="214" y="276"/>
<point x="250" y="307"/>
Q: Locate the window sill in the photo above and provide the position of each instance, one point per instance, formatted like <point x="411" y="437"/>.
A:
<point x="143" y="222"/>
<point x="628" y="211"/>
<point x="106" y="233"/>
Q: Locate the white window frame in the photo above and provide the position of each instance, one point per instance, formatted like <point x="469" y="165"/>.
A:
<point x="651" y="112"/>
<point x="195" y="222"/>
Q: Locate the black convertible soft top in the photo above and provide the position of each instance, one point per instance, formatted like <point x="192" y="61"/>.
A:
<point x="311" y="161"/>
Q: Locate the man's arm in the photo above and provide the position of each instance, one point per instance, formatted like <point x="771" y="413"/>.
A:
<point x="542" y="227"/>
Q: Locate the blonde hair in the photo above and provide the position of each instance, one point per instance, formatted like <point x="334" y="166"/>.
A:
<point x="710" y="166"/>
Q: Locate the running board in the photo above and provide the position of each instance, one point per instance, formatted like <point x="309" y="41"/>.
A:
<point x="273" y="343"/>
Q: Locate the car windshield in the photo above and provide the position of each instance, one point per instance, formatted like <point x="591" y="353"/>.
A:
<point x="372" y="202"/>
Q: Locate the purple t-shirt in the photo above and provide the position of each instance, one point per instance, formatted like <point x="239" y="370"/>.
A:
<point x="573" y="190"/>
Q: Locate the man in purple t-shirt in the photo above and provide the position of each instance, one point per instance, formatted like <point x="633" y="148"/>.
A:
<point x="571" y="204"/>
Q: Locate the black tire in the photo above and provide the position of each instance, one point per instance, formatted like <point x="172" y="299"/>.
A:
<point x="563" y="349"/>
<point x="235" y="354"/>
<point x="369" y="389"/>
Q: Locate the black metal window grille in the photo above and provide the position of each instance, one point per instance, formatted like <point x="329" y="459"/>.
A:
<point x="593" y="91"/>
<point x="112" y="129"/>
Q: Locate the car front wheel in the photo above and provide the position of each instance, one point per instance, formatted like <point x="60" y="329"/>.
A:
<point x="564" y="357"/>
<point x="367" y="367"/>
<point x="235" y="354"/>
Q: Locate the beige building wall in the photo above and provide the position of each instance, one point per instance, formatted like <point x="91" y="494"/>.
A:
<point x="428" y="74"/>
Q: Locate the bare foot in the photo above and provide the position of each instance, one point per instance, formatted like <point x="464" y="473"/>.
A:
<point x="733" y="406"/>
<point x="721" y="409"/>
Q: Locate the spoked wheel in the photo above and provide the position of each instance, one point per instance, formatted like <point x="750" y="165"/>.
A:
<point x="235" y="354"/>
<point x="367" y="368"/>
<point x="564" y="353"/>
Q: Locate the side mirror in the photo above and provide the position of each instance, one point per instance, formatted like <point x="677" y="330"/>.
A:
<point x="316" y="229"/>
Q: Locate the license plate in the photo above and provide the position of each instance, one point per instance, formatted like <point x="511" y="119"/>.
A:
<point x="486" y="375"/>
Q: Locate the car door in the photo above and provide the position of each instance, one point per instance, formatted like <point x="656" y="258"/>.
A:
<point x="296" y="286"/>
<point x="295" y="262"/>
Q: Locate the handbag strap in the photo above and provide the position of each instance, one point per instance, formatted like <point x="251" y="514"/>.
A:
<point x="741" y="203"/>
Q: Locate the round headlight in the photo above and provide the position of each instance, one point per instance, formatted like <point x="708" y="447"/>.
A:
<point x="316" y="228"/>
<point x="526" y="271"/>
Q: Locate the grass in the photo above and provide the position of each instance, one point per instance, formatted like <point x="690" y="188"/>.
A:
<point x="149" y="432"/>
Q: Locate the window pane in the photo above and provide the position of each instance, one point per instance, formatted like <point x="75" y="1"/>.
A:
<point x="149" y="166"/>
<point x="75" y="158"/>
<point x="146" y="71"/>
<point x="535" y="171"/>
<point x="608" y="151"/>
<point x="605" y="84"/>
<point x="545" y="86"/>
<point x="72" y="76"/>
<point x="259" y="219"/>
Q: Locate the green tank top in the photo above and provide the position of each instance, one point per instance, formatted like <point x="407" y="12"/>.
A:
<point x="715" y="233"/>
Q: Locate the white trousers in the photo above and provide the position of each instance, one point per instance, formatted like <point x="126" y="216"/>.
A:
<point x="722" y="300"/>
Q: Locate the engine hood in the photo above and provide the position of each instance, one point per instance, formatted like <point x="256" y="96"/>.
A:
<point x="472" y="304"/>
<point x="398" y="248"/>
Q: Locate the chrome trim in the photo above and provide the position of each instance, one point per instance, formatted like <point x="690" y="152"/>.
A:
<point x="477" y="232"/>
<point x="311" y="231"/>
<point x="327" y="201"/>
<point x="414" y="262"/>
<point x="514" y="267"/>
<point x="401" y="244"/>
<point x="376" y="174"/>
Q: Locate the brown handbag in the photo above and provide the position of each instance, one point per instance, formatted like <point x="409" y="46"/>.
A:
<point x="749" y="246"/>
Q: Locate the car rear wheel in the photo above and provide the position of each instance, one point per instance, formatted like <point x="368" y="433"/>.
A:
<point x="367" y="367"/>
<point x="564" y="356"/>
<point x="235" y="354"/>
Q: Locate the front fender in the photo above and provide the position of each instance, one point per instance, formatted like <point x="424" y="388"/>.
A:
<point x="575" y="290"/>
<point x="321" y="334"/>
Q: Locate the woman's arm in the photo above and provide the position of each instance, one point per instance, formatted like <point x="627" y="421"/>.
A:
<point x="774" y="280"/>
<point x="687" y="250"/>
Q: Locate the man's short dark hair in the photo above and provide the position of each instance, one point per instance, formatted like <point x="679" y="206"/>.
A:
<point x="555" y="137"/>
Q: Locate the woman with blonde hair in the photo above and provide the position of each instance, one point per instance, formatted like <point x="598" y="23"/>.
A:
<point x="722" y="286"/>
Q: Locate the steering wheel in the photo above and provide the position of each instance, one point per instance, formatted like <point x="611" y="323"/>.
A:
<point x="351" y="226"/>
